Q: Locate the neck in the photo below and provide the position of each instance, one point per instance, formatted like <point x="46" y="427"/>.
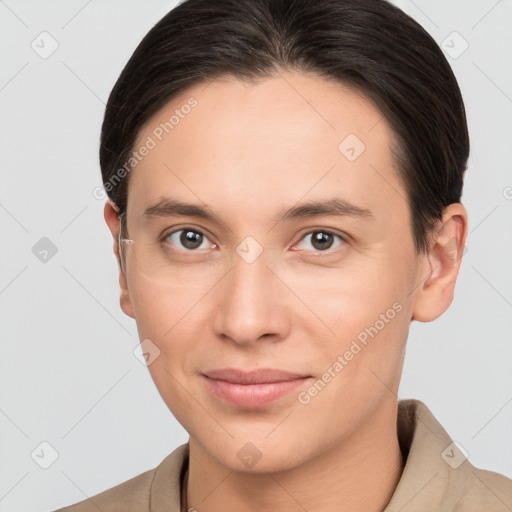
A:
<point x="360" y="473"/>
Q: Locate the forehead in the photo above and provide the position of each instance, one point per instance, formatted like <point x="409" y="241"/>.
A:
<point x="231" y="143"/>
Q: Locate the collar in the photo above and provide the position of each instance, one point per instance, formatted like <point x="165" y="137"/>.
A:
<point x="436" y="474"/>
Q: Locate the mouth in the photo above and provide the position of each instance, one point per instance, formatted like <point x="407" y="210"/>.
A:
<point x="254" y="389"/>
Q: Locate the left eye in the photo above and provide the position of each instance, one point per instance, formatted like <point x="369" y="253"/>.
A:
<point x="189" y="239"/>
<point x="322" y="240"/>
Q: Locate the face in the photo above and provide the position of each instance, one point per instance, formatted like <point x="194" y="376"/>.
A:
<point x="325" y="292"/>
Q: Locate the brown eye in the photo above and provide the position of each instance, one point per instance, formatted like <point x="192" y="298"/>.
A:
<point x="322" y="240"/>
<point x="187" y="239"/>
<point x="191" y="239"/>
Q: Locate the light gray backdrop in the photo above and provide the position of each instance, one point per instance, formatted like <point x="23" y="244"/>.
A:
<point x="68" y="375"/>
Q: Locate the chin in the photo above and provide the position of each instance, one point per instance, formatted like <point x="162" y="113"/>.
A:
<point x="258" y="456"/>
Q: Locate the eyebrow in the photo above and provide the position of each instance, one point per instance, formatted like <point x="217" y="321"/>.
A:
<point x="335" y="206"/>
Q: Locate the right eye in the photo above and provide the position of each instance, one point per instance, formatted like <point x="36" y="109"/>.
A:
<point x="188" y="239"/>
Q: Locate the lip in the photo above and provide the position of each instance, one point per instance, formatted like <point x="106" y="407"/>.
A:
<point x="253" y="389"/>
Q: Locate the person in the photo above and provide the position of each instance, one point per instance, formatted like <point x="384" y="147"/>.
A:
<point x="284" y="181"/>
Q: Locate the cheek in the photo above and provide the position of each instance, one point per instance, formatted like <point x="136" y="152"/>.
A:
<point x="162" y="310"/>
<point x="349" y="297"/>
<point x="363" y="313"/>
<point x="167" y="318"/>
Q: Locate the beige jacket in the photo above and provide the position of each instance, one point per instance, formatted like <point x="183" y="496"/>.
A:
<point x="436" y="477"/>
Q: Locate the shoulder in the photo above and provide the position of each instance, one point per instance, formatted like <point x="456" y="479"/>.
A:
<point x="130" y="495"/>
<point x="139" y="493"/>
<point x="466" y="488"/>
<point x="477" y="489"/>
<point x="438" y="474"/>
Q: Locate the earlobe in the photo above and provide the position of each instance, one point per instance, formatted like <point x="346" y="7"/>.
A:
<point x="441" y="265"/>
<point x="110" y="212"/>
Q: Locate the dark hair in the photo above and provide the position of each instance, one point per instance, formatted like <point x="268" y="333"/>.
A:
<point x="369" y="45"/>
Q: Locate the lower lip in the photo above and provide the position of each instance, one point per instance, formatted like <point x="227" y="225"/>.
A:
<point x="252" y="396"/>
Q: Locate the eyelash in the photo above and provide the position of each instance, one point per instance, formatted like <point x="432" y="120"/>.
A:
<point x="309" y="233"/>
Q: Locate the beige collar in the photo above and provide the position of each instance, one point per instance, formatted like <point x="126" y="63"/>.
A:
<point x="429" y="481"/>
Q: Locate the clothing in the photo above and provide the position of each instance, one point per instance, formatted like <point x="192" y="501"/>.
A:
<point x="436" y="476"/>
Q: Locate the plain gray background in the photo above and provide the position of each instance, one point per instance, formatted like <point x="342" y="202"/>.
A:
<point x="68" y="374"/>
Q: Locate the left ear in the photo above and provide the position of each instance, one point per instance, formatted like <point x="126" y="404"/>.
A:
<point x="441" y="264"/>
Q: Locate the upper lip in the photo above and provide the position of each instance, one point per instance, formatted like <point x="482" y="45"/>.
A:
<point x="257" y="376"/>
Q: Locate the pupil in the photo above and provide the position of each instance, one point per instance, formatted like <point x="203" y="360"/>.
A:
<point x="322" y="240"/>
<point x="191" y="239"/>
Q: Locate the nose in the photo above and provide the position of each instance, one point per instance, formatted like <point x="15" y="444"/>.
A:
<point x="251" y="304"/>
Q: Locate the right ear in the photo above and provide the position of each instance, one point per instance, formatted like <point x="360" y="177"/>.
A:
<point x="111" y="212"/>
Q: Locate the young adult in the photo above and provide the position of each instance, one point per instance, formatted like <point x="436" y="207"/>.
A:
<point x="284" y="182"/>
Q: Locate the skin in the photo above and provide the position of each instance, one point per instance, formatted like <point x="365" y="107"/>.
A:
<point x="248" y="151"/>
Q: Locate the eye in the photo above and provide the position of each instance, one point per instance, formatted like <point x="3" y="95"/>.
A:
<point x="188" y="239"/>
<point x="322" y="240"/>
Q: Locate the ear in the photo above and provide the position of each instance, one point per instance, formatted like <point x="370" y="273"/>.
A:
<point x="441" y="265"/>
<point x="110" y="212"/>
